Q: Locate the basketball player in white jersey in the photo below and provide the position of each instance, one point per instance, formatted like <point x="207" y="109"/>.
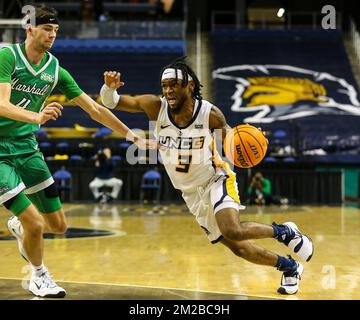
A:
<point x="184" y="127"/>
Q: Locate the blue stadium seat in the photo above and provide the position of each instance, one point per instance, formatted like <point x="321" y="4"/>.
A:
<point x="63" y="183"/>
<point x="103" y="131"/>
<point x="151" y="180"/>
<point x="270" y="159"/>
<point x="116" y="158"/>
<point x="46" y="148"/>
<point x="76" y="157"/>
<point x="279" y="134"/>
<point x="41" y="134"/>
<point x="289" y="159"/>
<point x="123" y="146"/>
<point x="44" y="144"/>
<point x="63" y="145"/>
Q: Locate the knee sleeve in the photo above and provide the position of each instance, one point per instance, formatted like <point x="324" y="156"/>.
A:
<point x="17" y="204"/>
<point x="51" y="191"/>
<point x="46" y="200"/>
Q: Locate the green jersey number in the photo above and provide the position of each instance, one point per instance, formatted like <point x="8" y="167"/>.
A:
<point x="23" y="103"/>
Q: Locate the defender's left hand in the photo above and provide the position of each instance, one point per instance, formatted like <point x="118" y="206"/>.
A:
<point x="146" y="144"/>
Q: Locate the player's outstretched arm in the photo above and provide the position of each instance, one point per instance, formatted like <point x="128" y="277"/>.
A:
<point x="51" y="112"/>
<point x="150" y="104"/>
<point x="108" y="119"/>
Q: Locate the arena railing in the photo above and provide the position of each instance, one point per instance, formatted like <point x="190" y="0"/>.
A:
<point x="12" y="30"/>
<point x="269" y="20"/>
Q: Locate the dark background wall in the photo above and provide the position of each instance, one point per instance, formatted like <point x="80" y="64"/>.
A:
<point x="300" y="186"/>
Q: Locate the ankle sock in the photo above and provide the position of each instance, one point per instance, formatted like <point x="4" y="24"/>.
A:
<point x="280" y="230"/>
<point x="38" y="270"/>
<point x="286" y="264"/>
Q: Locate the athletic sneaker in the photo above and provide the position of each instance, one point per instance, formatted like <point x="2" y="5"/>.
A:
<point x="301" y="244"/>
<point x="16" y="229"/>
<point x="44" y="286"/>
<point x="290" y="280"/>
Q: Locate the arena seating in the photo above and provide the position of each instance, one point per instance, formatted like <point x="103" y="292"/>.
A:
<point x="139" y="62"/>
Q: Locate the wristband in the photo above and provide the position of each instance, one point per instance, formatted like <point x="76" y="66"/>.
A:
<point x="109" y="97"/>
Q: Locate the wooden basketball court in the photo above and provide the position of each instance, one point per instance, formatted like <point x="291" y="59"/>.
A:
<point x="148" y="252"/>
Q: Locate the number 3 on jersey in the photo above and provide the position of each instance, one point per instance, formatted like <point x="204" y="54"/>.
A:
<point x="184" y="163"/>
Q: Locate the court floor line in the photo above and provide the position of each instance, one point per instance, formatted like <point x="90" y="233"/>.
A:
<point x="306" y="208"/>
<point x="73" y="207"/>
<point x="163" y="288"/>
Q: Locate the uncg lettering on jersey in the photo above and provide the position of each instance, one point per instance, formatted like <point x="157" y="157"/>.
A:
<point x="182" y="143"/>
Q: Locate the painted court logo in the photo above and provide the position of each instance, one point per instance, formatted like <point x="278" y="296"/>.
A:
<point x="267" y="93"/>
<point x="70" y="233"/>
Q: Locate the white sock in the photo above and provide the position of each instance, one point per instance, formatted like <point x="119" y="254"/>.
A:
<point x="38" y="270"/>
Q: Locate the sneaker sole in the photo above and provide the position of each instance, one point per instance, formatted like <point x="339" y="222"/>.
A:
<point x="313" y="249"/>
<point x="60" y="294"/>
<point x="283" y="291"/>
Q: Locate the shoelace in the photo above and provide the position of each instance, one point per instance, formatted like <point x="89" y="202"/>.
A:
<point x="296" y="273"/>
<point x="47" y="279"/>
<point x="297" y="234"/>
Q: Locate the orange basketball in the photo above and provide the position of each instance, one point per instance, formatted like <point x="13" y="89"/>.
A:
<point x="245" y="146"/>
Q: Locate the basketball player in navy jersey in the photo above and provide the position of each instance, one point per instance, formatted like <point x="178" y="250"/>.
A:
<point x="184" y="127"/>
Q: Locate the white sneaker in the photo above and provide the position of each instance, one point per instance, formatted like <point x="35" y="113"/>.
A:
<point x="16" y="229"/>
<point x="300" y="243"/>
<point x="44" y="286"/>
<point x="290" y="280"/>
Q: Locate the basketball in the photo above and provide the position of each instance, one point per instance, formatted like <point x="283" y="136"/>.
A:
<point x="245" y="146"/>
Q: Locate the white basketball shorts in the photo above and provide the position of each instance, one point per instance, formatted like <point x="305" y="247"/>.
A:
<point x="204" y="202"/>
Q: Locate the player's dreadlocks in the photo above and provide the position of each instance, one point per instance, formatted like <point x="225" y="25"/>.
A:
<point x="181" y="65"/>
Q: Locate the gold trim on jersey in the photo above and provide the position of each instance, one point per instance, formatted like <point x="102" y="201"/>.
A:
<point x="230" y="183"/>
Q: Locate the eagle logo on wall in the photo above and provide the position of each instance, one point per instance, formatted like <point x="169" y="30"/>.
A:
<point x="282" y="92"/>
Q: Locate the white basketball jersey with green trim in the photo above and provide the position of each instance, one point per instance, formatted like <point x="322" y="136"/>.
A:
<point x="187" y="156"/>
